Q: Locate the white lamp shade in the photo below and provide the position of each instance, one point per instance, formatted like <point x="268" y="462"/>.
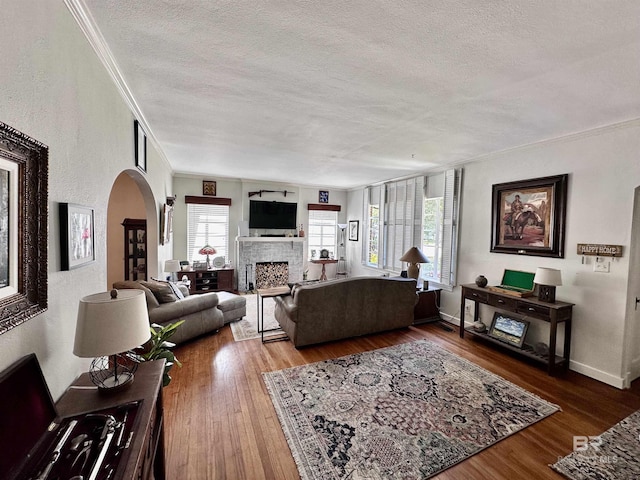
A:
<point x="172" y="266"/>
<point x="548" y="276"/>
<point x="414" y="255"/>
<point x="108" y="326"/>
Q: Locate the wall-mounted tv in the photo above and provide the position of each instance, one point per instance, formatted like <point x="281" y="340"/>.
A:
<point x="272" y="215"/>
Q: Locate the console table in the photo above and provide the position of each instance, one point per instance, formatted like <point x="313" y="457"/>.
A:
<point x="531" y="308"/>
<point x="145" y="456"/>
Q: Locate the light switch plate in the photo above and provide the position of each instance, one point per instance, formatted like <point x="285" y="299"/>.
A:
<point x="602" y="266"/>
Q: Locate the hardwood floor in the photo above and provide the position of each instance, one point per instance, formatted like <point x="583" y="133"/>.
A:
<point x="221" y="424"/>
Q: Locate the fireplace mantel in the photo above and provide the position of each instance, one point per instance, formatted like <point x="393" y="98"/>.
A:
<point x="270" y="239"/>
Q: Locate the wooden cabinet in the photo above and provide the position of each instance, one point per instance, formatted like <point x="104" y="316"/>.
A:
<point x="135" y="249"/>
<point x="203" y="281"/>
<point x="144" y="458"/>
<point x="532" y="309"/>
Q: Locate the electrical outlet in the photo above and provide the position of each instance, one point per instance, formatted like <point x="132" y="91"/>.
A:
<point x="601" y="266"/>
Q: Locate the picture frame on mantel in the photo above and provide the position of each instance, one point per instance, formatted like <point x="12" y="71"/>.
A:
<point x="140" y="146"/>
<point x="528" y="217"/>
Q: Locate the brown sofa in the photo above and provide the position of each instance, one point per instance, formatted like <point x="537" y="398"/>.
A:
<point x="346" y="308"/>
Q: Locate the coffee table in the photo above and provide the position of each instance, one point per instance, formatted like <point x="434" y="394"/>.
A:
<point x="269" y="293"/>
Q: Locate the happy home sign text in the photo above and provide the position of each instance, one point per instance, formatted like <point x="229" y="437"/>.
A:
<point x="599" y="250"/>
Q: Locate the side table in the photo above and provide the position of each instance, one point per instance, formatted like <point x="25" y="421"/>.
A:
<point x="427" y="310"/>
<point x="323" y="262"/>
<point x="268" y="293"/>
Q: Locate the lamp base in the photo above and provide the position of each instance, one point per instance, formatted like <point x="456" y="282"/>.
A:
<point x="413" y="270"/>
<point x="113" y="373"/>
<point x="547" y="293"/>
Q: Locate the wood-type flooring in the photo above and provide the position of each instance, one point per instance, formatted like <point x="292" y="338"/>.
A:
<point x="221" y="424"/>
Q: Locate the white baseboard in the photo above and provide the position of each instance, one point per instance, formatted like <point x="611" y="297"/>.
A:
<point x="596" y="374"/>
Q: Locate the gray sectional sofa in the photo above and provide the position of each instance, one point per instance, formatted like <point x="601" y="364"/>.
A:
<point x="204" y="313"/>
<point x="346" y="308"/>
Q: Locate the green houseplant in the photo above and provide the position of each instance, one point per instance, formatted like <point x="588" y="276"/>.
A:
<point x="159" y="347"/>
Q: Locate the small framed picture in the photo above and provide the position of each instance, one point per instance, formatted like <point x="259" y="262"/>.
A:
<point x="354" y="226"/>
<point x="209" y="188"/>
<point x="323" y="196"/>
<point x="140" y="146"/>
<point x="76" y="236"/>
<point x="508" y="330"/>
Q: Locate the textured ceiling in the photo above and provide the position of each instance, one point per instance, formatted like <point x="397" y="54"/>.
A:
<point x="350" y="93"/>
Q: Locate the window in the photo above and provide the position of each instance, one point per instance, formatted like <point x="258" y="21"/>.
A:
<point x="420" y="211"/>
<point x="371" y="232"/>
<point x="207" y="225"/>
<point x="440" y="227"/>
<point x="322" y="232"/>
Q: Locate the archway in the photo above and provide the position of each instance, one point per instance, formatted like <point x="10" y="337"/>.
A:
<point x="130" y="197"/>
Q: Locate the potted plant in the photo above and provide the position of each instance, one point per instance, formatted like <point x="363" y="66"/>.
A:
<point x="159" y="347"/>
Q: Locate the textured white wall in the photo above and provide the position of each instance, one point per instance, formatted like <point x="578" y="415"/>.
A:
<point x="55" y="90"/>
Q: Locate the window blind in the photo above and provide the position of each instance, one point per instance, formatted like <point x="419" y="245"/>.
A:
<point x="207" y="225"/>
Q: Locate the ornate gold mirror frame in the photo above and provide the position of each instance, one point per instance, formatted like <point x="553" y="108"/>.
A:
<point x="24" y="164"/>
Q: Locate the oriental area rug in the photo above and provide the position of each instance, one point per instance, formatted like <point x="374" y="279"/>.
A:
<point x="247" y="328"/>
<point x="613" y="455"/>
<point x="406" y="411"/>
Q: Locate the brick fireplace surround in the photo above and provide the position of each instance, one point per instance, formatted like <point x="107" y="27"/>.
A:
<point x="253" y="250"/>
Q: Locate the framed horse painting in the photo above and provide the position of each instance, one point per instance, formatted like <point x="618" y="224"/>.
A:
<point x="528" y="217"/>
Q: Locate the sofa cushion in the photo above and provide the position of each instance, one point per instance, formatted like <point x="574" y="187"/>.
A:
<point x="161" y="290"/>
<point x="152" y="301"/>
<point x="176" y="310"/>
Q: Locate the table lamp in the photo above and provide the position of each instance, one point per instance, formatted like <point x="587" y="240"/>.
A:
<point x="207" y="250"/>
<point x="172" y="266"/>
<point x="109" y="325"/>
<point x="414" y="257"/>
<point x="547" y="280"/>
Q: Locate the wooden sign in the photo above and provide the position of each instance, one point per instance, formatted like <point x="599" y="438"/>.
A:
<point x="598" y="250"/>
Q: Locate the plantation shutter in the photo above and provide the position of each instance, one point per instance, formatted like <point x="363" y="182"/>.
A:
<point x="452" y="183"/>
<point x="403" y="225"/>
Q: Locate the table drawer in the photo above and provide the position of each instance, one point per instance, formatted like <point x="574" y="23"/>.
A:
<point x="506" y="303"/>
<point x="477" y="296"/>
<point x="534" y="310"/>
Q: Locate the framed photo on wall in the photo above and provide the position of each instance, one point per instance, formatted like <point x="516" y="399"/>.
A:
<point x="323" y="196"/>
<point x="354" y="226"/>
<point x="528" y="217"/>
<point x="76" y="236"/>
<point x="209" y="188"/>
<point x="140" y="146"/>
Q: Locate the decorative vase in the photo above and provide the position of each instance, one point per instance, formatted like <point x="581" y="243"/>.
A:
<point x="481" y="281"/>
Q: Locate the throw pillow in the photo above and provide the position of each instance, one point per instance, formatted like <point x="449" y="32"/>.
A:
<point x="152" y="301"/>
<point x="174" y="288"/>
<point x="161" y="290"/>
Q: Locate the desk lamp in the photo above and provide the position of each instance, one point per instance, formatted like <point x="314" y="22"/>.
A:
<point x="547" y="279"/>
<point x="414" y="257"/>
<point x="109" y="325"/>
<point x="172" y="266"/>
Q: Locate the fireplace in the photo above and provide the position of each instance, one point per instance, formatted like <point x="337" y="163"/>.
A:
<point x="271" y="274"/>
<point x="252" y="251"/>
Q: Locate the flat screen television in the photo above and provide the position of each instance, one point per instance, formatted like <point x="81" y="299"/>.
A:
<point x="275" y="215"/>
